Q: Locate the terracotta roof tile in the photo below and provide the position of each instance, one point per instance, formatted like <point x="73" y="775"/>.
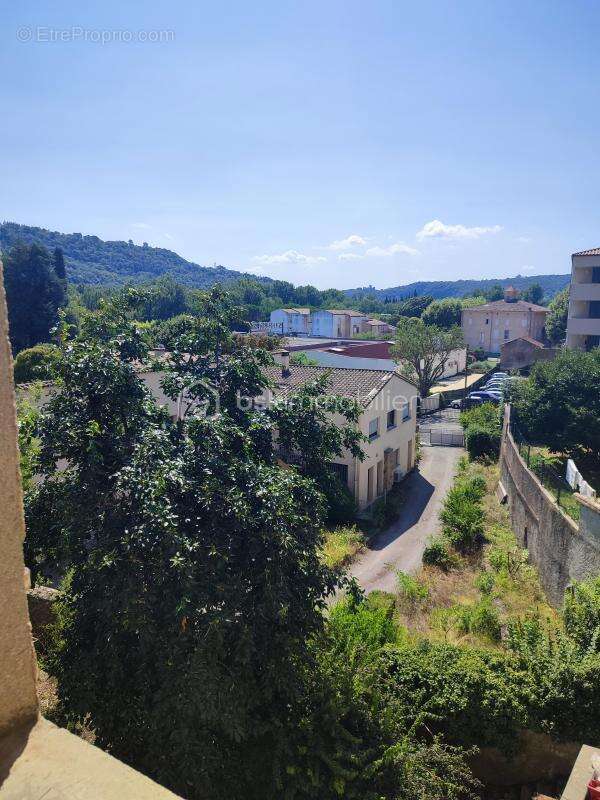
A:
<point x="502" y="305"/>
<point x="358" y="384"/>
<point x="595" y="251"/>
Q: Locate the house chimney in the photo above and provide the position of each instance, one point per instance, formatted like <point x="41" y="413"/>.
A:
<point x="511" y="295"/>
<point x="283" y="357"/>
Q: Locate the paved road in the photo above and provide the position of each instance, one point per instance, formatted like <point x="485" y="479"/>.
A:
<point x="402" y="545"/>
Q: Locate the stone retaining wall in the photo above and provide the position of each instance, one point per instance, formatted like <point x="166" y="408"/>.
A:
<point x="561" y="550"/>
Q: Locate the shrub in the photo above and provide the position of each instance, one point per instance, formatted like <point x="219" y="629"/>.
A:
<point x="473" y="486"/>
<point x="35" y="363"/>
<point x="463" y="518"/>
<point x="485" y="415"/>
<point x="484" y="582"/>
<point x="341" y="505"/>
<point x="341" y="544"/>
<point x="412" y="592"/>
<point x="437" y="554"/>
<point x="582" y="614"/>
<point x="482" y="442"/>
<point x="481" y="618"/>
<point x="385" y="510"/>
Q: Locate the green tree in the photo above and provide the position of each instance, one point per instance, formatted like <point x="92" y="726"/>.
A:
<point x="34" y="294"/>
<point x="59" y="264"/>
<point x="166" y="299"/>
<point x="195" y="581"/>
<point x="35" y="363"/>
<point x="444" y="313"/>
<point x="556" y="319"/>
<point x="422" y="351"/>
<point x="534" y="293"/>
<point x="559" y="406"/>
<point x="495" y="292"/>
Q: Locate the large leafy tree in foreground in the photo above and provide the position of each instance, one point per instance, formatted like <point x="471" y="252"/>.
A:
<point x="194" y="580"/>
<point x="422" y="351"/>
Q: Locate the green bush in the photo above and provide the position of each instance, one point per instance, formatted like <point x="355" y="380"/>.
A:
<point x="437" y="554"/>
<point x="485" y="582"/>
<point x="463" y="518"/>
<point x="481" y="618"/>
<point x="482" y="442"/>
<point x="486" y="415"/>
<point x="412" y="593"/>
<point x="341" y="505"/>
<point x="582" y="614"/>
<point x="35" y="363"/>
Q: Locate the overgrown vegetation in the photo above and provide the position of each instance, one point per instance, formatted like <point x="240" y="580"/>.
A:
<point x="341" y="545"/>
<point x="482" y="431"/>
<point x="559" y="406"/>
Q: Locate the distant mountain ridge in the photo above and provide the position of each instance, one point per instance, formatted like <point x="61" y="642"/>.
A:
<point x="551" y="284"/>
<point x="89" y="259"/>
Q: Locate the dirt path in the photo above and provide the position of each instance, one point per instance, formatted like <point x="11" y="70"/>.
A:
<point x="401" y="546"/>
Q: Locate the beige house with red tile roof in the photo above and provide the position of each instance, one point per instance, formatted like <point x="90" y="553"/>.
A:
<point x="487" y="327"/>
<point x="388" y="420"/>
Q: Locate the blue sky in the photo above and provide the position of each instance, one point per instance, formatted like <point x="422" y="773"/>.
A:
<point x="334" y="143"/>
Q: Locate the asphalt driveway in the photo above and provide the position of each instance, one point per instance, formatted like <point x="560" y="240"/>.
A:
<point x="401" y="546"/>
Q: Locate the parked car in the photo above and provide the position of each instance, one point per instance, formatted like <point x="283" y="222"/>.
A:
<point x="485" y="397"/>
<point x="456" y="404"/>
<point x="492" y="383"/>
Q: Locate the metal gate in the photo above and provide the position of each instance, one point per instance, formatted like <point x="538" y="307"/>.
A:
<point x="442" y="437"/>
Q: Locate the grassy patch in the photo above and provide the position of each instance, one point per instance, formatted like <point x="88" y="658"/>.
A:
<point x="342" y="545"/>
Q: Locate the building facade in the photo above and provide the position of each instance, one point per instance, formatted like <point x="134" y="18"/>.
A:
<point x="487" y="327"/>
<point x="292" y="321"/>
<point x="388" y="421"/>
<point x="583" y="324"/>
<point x="370" y="355"/>
<point x="338" y="323"/>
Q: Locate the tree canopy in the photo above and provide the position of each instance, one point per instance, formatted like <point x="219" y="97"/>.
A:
<point x="559" y="405"/>
<point x="422" y="351"/>
<point x="34" y="293"/>
<point x="192" y="554"/>
<point x="556" y="319"/>
<point x="443" y="313"/>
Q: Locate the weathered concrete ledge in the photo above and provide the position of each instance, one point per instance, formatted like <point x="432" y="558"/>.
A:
<point x="41" y="760"/>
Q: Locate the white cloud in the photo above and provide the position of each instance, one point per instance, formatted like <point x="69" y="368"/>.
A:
<point x="392" y="250"/>
<point x="143" y="226"/>
<point x="289" y="257"/>
<point x="350" y="256"/>
<point x="438" y="230"/>
<point x="523" y="239"/>
<point x="354" y="240"/>
<point x="528" y="268"/>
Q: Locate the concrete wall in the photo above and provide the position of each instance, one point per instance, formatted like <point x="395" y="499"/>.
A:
<point x="18" y="699"/>
<point x="561" y="550"/>
<point x="520" y="353"/>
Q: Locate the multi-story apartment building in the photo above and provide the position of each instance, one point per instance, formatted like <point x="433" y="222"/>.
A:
<point x="583" y="325"/>
<point x="488" y="326"/>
